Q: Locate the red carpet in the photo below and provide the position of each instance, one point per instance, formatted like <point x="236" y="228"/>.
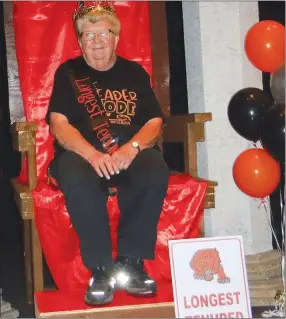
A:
<point x="55" y="301"/>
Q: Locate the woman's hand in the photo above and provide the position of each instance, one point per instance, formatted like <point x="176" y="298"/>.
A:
<point x="104" y="164"/>
<point x="124" y="156"/>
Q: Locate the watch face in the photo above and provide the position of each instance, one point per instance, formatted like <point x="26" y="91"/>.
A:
<point x="135" y="144"/>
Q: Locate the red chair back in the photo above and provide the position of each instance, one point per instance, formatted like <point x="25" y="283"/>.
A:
<point x="45" y="38"/>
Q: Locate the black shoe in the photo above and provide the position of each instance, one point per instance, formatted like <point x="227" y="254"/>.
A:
<point x="101" y="287"/>
<point x="131" y="276"/>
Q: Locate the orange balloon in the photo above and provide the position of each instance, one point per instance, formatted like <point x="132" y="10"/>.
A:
<point x="256" y="173"/>
<point x="265" y="45"/>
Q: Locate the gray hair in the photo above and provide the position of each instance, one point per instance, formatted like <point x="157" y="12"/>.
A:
<point x="94" y="17"/>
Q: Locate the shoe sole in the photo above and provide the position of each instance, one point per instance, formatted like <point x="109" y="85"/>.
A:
<point x="141" y="293"/>
<point x="136" y="292"/>
<point x="98" y="303"/>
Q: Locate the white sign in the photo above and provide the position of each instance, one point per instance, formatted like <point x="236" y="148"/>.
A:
<point x="209" y="278"/>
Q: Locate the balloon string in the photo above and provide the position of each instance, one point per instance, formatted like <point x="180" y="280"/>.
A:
<point x="270" y="223"/>
<point x="282" y="254"/>
<point x="253" y="144"/>
<point x="283" y="221"/>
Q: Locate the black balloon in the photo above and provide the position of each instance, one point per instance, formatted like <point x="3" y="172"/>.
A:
<point x="272" y="131"/>
<point x="245" y="110"/>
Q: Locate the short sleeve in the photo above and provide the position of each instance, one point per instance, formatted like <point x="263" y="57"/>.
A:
<point x="151" y="107"/>
<point x="61" y="93"/>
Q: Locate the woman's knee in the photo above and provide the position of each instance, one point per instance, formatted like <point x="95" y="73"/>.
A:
<point x="160" y="172"/>
<point x="70" y="167"/>
<point x="152" y="168"/>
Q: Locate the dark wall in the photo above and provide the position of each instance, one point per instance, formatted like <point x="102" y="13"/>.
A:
<point x="178" y="79"/>
<point x="4" y="102"/>
<point x="173" y="152"/>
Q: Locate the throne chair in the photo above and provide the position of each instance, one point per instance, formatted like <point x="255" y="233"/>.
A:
<point x="48" y="234"/>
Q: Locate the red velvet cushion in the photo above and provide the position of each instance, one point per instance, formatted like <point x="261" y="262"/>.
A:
<point x="180" y="218"/>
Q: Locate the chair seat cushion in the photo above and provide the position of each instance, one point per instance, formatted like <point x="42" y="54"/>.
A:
<point x="180" y="218"/>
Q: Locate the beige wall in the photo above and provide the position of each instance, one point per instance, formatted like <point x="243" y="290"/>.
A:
<point x="216" y="69"/>
<point x="15" y="97"/>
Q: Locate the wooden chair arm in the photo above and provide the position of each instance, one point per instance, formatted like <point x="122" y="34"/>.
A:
<point x="174" y="131"/>
<point x="189" y="129"/>
<point x="24" y="141"/>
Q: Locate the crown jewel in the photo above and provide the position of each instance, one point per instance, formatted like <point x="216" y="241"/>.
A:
<point x="83" y="7"/>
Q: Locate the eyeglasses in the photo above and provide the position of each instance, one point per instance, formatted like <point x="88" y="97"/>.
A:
<point x="103" y="35"/>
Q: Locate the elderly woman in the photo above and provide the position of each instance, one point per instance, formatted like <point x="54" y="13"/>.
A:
<point x="106" y="122"/>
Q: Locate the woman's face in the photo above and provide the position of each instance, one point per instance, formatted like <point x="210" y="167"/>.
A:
<point x="97" y="41"/>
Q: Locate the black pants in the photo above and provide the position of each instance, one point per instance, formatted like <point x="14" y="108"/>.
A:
<point x="141" y="191"/>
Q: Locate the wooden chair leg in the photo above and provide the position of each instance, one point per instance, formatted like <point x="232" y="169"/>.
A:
<point x="37" y="259"/>
<point x="28" y="260"/>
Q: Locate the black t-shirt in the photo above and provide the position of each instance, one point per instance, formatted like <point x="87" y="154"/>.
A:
<point x="124" y="91"/>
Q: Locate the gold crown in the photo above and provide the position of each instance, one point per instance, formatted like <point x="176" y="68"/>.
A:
<point x="84" y="7"/>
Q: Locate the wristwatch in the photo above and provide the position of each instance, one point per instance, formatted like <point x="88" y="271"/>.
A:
<point x="136" y="145"/>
